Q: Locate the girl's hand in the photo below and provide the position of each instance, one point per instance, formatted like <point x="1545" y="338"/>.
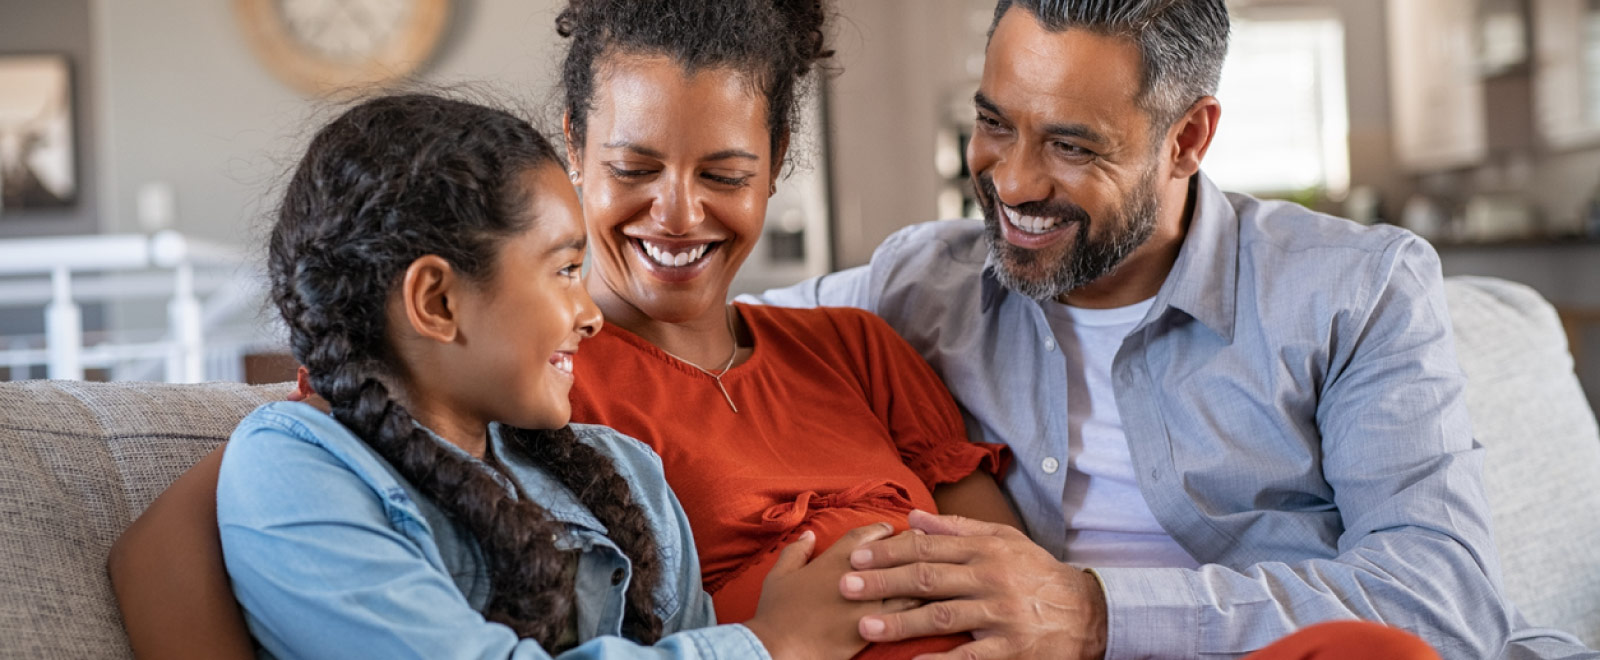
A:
<point x="801" y="615"/>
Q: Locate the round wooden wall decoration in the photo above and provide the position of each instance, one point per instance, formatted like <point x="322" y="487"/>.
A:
<point x="323" y="46"/>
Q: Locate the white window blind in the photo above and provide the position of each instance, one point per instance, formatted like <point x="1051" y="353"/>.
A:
<point x="1285" y="122"/>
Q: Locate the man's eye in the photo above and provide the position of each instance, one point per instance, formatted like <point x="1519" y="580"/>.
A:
<point x="1074" y="150"/>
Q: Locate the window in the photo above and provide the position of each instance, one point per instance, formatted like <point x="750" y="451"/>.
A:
<point x="1285" y="123"/>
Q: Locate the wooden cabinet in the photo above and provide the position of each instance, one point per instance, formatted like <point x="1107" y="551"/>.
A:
<point x="1436" y="90"/>
<point x="1567" y="72"/>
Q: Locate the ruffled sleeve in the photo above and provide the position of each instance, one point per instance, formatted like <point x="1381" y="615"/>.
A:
<point x="923" y="419"/>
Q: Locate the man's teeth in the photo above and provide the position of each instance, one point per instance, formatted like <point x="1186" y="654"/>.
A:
<point x="1031" y="224"/>
<point x="666" y="257"/>
<point x="563" y="363"/>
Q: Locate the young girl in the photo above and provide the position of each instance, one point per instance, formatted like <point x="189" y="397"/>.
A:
<point x="426" y="259"/>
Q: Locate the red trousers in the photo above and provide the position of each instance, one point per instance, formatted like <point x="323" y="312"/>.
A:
<point x="1338" y="640"/>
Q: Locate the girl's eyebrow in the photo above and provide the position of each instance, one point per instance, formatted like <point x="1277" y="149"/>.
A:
<point x="575" y="243"/>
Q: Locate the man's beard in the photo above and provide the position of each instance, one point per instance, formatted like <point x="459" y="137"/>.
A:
<point x="1034" y="274"/>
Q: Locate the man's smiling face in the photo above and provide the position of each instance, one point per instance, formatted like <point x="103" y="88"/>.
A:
<point x="1061" y="155"/>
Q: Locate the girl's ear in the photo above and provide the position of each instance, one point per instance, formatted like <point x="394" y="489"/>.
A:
<point x="574" y="151"/>
<point x="429" y="292"/>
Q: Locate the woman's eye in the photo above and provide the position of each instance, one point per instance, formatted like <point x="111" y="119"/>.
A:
<point x="737" y="181"/>
<point x="572" y="270"/>
<point x="625" y="172"/>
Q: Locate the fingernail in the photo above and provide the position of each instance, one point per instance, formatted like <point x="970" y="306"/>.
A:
<point x="854" y="583"/>
<point x="872" y="626"/>
<point x="807" y="535"/>
<point x="861" y="557"/>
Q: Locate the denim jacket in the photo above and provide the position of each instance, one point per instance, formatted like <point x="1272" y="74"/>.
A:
<point x="334" y="555"/>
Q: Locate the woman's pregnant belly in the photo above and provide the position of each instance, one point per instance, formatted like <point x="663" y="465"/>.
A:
<point x="736" y="594"/>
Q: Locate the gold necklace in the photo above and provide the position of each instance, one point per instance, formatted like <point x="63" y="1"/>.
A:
<point x="718" y="375"/>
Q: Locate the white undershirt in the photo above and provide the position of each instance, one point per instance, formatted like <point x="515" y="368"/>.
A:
<point x="1108" y="522"/>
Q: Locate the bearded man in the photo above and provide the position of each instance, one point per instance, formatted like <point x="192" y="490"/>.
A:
<point x="1241" y="417"/>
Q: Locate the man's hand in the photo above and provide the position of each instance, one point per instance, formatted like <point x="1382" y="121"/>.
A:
<point x="1012" y="595"/>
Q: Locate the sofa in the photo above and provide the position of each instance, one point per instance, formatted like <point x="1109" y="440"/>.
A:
<point x="79" y="460"/>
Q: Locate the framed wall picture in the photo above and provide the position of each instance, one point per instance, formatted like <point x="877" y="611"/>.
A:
<point x="38" y="168"/>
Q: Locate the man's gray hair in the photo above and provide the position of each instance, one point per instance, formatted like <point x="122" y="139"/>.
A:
<point x="1182" y="43"/>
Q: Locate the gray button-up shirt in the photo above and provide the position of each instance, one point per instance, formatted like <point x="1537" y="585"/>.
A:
<point x="1292" y="405"/>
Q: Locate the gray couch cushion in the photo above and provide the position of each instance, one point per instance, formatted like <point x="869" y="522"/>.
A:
<point x="81" y="460"/>
<point x="1543" y="468"/>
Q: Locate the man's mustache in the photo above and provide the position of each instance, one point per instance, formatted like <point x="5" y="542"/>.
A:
<point x="1067" y="211"/>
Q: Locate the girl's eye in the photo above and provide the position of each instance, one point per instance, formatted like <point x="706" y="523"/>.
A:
<point x="571" y="270"/>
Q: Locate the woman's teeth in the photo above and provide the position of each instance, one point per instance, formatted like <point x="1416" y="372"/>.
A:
<point x="1030" y="224"/>
<point x="562" y="362"/>
<point x="665" y="257"/>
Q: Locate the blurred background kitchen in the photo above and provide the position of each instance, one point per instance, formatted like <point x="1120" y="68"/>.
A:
<point x="142" y="143"/>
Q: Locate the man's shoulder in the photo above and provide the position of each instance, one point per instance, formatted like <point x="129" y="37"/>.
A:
<point x="1286" y="228"/>
<point x="937" y="246"/>
<point x="1289" y="255"/>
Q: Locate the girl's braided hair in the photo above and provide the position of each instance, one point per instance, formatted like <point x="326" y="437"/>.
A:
<point x="391" y="180"/>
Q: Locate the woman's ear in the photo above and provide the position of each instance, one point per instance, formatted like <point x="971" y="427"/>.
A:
<point x="778" y="154"/>
<point x="574" y="151"/>
<point x="430" y="293"/>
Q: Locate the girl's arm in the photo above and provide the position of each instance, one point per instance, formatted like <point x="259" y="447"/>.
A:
<point x="167" y="572"/>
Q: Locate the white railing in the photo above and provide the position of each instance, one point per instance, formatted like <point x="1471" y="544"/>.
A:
<point x="115" y="268"/>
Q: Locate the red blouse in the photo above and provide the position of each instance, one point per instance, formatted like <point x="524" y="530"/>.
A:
<point x="840" y="424"/>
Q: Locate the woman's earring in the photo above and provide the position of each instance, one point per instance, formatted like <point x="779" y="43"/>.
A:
<point x="573" y="175"/>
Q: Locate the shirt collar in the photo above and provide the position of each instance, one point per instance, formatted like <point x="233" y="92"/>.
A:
<point x="1203" y="282"/>
<point x="1203" y="279"/>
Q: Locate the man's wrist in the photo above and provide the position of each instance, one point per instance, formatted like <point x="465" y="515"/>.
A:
<point x="1098" y="626"/>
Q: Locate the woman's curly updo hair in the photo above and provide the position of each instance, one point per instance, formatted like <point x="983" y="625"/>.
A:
<point x="391" y="180"/>
<point x="774" y="42"/>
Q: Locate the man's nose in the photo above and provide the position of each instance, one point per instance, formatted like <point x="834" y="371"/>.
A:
<point x="1019" y="177"/>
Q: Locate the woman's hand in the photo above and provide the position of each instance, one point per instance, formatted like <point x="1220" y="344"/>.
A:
<point x="801" y="615"/>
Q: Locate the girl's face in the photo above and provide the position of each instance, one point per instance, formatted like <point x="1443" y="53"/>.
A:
<point x="676" y="171"/>
<point x="522" y="326"/>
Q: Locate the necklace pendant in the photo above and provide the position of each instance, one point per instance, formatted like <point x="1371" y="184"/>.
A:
<point x="725" y="394"/>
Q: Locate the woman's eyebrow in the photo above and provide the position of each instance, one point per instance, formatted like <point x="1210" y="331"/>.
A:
<point x="732" y="153"/>
<point x="635" y="148"/>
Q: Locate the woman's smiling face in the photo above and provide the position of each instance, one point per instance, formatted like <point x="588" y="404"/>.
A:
<point x="676" y="170"/>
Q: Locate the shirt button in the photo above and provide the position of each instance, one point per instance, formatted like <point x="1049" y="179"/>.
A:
<point x="1050" y="465"/>
<point x="1049" y="343"/>
<point x="616" y="577"/>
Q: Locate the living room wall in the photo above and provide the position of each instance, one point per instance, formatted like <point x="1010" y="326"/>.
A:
<point x="188" y="105"/>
